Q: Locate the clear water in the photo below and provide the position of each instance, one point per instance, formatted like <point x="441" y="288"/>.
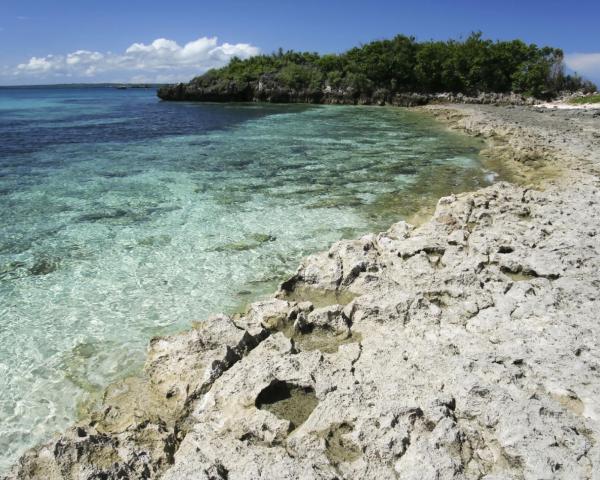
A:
<point x="123" y="217"/>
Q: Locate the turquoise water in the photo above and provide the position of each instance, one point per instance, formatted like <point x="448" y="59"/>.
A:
<point x="123" y="217"/>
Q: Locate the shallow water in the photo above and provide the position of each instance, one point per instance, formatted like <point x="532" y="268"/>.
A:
<point x="123" y="217"/>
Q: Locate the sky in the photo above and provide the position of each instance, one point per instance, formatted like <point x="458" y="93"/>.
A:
<point x="72" y="41"/>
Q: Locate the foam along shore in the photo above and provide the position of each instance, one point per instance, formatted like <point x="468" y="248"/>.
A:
<point x="464" y="348"/>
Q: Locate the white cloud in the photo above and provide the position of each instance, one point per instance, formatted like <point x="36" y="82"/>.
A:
<point x="36" y="64"/>
<point x="162" y="60"/>
<point x="160" y="45"/>
<point x="586" y="64"/>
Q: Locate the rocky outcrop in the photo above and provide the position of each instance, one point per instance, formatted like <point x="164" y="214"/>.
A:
<point x="137" y="429"/>
<point x="466" y="348"/>
<point x="268" y="89"/>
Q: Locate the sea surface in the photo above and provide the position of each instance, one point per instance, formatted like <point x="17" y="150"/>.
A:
<point x="123" y="217"/>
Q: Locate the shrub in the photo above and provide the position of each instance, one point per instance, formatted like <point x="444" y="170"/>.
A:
<point x="402" y="64"/>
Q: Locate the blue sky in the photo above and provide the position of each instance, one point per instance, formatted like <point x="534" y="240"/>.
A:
<point x="57" y="41"/>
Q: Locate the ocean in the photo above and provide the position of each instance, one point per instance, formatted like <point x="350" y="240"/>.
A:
<point x="123" y="217"/>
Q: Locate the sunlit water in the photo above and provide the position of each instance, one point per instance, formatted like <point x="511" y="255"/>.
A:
<point x="123" y="217"/>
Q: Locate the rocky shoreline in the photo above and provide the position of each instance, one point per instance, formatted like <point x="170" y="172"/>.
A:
<point x="271" y="91"/>
<point x="465" y="348"/>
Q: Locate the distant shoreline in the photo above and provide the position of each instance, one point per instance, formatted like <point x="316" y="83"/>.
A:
<point x="84" y="85"/>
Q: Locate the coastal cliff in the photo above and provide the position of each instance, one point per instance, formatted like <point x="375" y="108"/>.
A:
<point x="268" y="89"/>
<point x="465" y="348"/>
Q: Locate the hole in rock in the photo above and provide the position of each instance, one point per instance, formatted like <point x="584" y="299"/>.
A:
<point x="518" y="276"/>
<point x="339" y="448"/>
<point x="521" y="274"/>
<point x="288" y="401"/>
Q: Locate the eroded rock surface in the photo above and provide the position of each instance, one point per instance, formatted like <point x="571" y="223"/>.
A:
<point x="472" y="354"/>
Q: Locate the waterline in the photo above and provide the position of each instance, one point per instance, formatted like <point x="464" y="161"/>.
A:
<point x="107" y="243"/>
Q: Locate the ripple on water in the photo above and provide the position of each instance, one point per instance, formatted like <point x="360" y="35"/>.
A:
<point x="134" y="231"/>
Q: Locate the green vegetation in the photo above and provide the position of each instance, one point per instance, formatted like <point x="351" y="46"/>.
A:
<point x="400" y="65"/>
<point x="586" y="99"/>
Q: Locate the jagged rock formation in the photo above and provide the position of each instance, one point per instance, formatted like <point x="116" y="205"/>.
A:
<point x="269" y="89"/>
<point x="466" y="348"/>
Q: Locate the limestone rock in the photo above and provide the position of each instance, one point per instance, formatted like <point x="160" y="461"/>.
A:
<point x="466" y="348"/>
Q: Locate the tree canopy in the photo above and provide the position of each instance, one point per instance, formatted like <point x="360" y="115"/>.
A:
<point x="470" y="66"/>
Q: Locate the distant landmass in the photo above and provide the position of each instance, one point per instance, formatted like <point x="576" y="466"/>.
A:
<point x="90" y="85"/>
<point x="400" y="70"/>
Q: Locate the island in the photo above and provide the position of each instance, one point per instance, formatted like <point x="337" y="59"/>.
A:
<point x="462" y="347"/>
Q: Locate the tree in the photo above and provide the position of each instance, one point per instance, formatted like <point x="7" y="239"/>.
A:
<point x="402" y="64"/>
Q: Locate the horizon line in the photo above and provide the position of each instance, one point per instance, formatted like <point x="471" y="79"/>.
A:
<point x="91" y="84"/>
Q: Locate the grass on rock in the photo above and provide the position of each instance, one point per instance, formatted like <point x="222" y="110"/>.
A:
<point x="585" y="100"/>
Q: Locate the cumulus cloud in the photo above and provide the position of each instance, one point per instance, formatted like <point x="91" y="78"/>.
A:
<point x="160" y="61"/>
<point x="586" y="64"/>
